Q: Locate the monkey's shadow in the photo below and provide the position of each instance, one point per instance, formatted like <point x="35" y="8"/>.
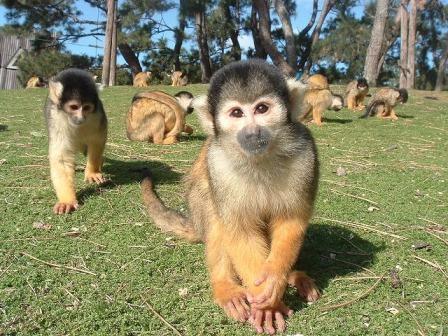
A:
<point x="3" y="128"/>
<point x="331" y="251"/>
<point x="337" y="121"/>
<point x="128" y="172"/>
<point x="404" y="116"/>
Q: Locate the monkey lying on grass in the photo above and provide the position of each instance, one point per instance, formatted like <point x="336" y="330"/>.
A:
<point x="158" y="117"/>
<point x="250" y="193"/>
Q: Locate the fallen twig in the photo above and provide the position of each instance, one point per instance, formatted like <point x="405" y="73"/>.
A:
<point x="359" y="297"/>
<point x="57" y="265"/>
<point x="420" y="328"/>
<point x="160" y="317"/>
<point x="354" y="196"/>
<point x="362" y="226"/>
<point x="433" y="264"/>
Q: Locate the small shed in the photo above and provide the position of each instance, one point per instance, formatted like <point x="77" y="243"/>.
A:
<point x="10" y="49"/>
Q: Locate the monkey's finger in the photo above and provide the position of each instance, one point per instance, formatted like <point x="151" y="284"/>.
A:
<point x="258" y="319"/>
<point x="280" y="321"/>
<point x="268" y="326"/>
<point x="234" y="312"/>
<point x="242" y="312"/>
<point x="285" y="310"/>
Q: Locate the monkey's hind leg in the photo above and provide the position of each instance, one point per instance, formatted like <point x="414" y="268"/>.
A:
<point x="351" y="102"/>
<point x="95" y="150"/>
<point x="305" y="286"/>
<point x="227" y="292"/>
<point x="62" y="170"/>
<point x="317" y="115"/>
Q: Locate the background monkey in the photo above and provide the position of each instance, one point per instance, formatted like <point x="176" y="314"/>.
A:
<point x="250" y="192"/>
<point x="318" y="98"/>
<point x="355" y="93"/>
<point x="76" y="121"/>
<point x="35" y="82"/>
<point x="158" y="117"/>
<point x="179" y="79"/>
<point x="383" y="102"/>
<point x="141" y="79"/>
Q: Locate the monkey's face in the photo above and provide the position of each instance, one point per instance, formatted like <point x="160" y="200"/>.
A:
<point x="77" y="110"/>
<point x="250" y="127"/>
<point x="362" y="84"/>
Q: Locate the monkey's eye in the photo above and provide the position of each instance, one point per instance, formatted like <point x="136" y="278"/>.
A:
<point x="74" y="107"/>
<point x="87" y="108"/>
<point x="261" y="108"/>
<point x="236" y="113"/>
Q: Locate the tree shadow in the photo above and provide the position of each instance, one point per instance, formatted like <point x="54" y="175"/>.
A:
<point x="331" y="251"/>
<point x="3" y="128"/>
<point x="199" y="137"/>
<point x="431" y="98"/>
<point x="128" y="172"/>
<point x="337" y="121"/>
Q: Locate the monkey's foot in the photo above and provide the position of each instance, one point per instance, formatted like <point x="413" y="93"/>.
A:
<point x="65" y="208"/>
<point x="305" y="286"/>
<point x="270" y="321"/>
<point x="233" y="301"/>
<point x="188" y="129"/>
<point x="169" y="140"/>
<point x="97" y="178"/>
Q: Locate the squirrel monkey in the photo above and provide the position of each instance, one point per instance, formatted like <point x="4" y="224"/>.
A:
<point x="383" y="102"/>
<point x="250" y="192"/>
<point x="76" y="121"/>
<point x="318" y="98"/>
<point x="355" y="93"/>
<point x="141" y="79"/>
<point x="179" y="79"/>
<point x="35" y="82"/>
<point x="158" y="117"/>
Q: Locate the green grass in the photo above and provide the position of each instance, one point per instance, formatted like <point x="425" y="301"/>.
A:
<point x="401" y="166"/>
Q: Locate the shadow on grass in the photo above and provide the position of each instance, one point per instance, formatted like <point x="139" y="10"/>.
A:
<point x="337" y="121"/>
<point x="404" y="116"/>
<point x="328" y="252"/>
<point x="198" y="137"/>
<point x="128" y="172"/>
<point x="3" y="128"/>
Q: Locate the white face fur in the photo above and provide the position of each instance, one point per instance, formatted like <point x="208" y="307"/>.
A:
<point x="254" y="124"/>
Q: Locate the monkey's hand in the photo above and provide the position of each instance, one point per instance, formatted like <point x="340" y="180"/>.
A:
<point x="305" y="286"/>
<point x="270" y="320"/>
<point x="269" y="288"/>
<point x="65" y="207"/>
<point x="92" y="177"/>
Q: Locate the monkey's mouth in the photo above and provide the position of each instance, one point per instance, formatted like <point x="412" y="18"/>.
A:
<point x="255" y="146"/>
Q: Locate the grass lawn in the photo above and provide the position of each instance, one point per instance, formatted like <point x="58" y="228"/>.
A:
<point x="378" y="217"/>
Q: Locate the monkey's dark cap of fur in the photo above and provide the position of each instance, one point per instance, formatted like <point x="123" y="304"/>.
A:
<point x="404" y="95"/>
<point x="185" y="94"/>
<point x="362" y="82"/>
<point x="245" y="81"/>
<point x="77" y="83"/>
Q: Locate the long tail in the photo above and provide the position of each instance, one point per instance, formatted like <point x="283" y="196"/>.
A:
<point x="371" y="108"/>
<point x="166" y="219"/>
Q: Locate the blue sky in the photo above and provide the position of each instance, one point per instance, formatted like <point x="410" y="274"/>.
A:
<point x="93" y="47"/>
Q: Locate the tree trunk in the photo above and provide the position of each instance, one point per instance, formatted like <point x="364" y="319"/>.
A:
<point x="131" y="58"/>
<point x="376" y="41"/>
<point x="113" y="50"/>
<point x="326" y="7"/>
<point x="291" y="53"/>
<point x="266" y="39"/>
<point x="441" y="69"/>
<point x="259" y="50"/>
<point x="108" y="42"/>
<point x="236" y="48"/>
<point x="411" y="45"/>
<point x="204" y="54"/>
<point x="179" y="35"/>
<point x="404" y="33"/>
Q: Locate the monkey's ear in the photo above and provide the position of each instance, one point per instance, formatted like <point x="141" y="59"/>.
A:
<point x="296" y="94"/>
<point x="55" y="91"/>
<point x="205" y="118"/>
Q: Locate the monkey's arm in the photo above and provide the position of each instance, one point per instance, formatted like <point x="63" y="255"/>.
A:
<point x="62" y="170"/>
<point x="95" y="150"/>
<point x="287" y="236"/>
<point x="227" y="293"/>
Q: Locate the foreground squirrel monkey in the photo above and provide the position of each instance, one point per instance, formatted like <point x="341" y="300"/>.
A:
<point x="250" y="192"/>
<point x="76" y="121"/>
<point x="158" y="117"/>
